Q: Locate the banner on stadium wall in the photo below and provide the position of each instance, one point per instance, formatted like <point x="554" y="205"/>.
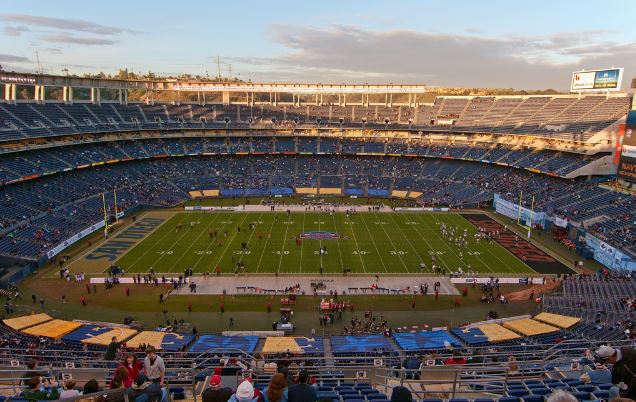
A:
<point x="519" y="281"/>
<point x="77" y="237"/>
<point x="205" y="208"/>
<point x="511" y="210"/>
<point x="560" y="222"/>
<point x="609" y="255"/>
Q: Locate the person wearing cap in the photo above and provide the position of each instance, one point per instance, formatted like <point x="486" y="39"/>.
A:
<point x="154" y="368"/>
<point x="623" y="363"/>
<point x="216" y="393"/>
<point x="302" y="392"/>
<point x="245" y="393"/>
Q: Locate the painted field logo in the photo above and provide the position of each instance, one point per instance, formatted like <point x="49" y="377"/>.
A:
<point x="320" y="236"/>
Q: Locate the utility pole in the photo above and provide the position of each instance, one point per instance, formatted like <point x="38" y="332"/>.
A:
<point x="230" y="68"/>
<point x="218" y="68"/>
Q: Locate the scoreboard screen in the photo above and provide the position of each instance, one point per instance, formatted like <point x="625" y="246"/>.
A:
<point x="627" y="162"/>
<point x="597" y="80"/>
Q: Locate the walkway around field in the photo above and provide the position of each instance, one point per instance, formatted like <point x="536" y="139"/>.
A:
<point x="350" y="285"/>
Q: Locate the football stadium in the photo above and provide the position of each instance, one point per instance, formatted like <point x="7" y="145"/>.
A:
<point x="202" y="237"/>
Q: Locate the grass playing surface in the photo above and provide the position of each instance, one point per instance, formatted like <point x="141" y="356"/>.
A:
<point x="371" y="243"/>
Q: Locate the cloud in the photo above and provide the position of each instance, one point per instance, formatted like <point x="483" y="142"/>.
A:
<point x="70" y="39"/>
<point x="66" y="24"/>
<point x="9" y="58"/>
<point x="14" y="30"/>
<point x="53" y="50"/>
<point x="341" y="53"/>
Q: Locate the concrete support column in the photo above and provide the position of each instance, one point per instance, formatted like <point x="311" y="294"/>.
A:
<point x="316" y="99"/>
<point x="226" y="97"/>
<point x="386" y="100"/>
<point x="10" y="93"/>
<point x="320" y="100"/>
<point x="96" y="94"/>
<point x="390" y="100"/>
<point x="344" y="100"/>
<point x="39" y="94"/>
<point x="67" y="94"/>
<point x="275" y="99"/>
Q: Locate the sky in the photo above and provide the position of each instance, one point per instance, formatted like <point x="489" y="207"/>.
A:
<point x="534" y="44"/>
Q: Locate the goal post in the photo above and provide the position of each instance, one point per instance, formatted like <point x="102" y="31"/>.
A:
<point x="525" y="220"/>
<point x="107" y="225"/>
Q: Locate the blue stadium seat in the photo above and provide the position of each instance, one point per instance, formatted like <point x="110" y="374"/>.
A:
<point x="508" y="399"/>
<point x="605" y="387"/>
<point x="582" y="396"/>
<point x="518" y="392"/>
<point x="541" y="391"/>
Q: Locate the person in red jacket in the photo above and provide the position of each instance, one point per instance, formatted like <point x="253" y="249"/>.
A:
<point x="456" y="359"/>
<point x="133" y="366"/>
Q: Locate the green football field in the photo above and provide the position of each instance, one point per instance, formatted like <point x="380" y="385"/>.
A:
<point x="368" y="243"/>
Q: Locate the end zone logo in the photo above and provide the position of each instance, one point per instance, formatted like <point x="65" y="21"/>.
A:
<point x="320" y="236"/>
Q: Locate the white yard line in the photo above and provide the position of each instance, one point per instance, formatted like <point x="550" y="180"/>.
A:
<point x="392" y="245"/>
<point x="266" y="241"/>
<point x="373" y="241"/>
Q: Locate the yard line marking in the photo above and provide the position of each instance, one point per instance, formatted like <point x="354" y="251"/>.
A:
<point x="406" y="237"/>
<point x="268" y="234"/>
<point x="356" y="242"/>
<point x="207" y="228"/>
<point x="456" y="254"/>
<point x="227" y="245"/>
<point x="373" y="241"/>
<point x="337" y="241"/>
<point x="282" y="249"/>
<point x="430" y="247"/>
<point x="251" y="235"/>
<point x="392" y="245"/>
<point x="302" y="243"/>
<point x="157" y="243"/>
<point x="497" y="257"/>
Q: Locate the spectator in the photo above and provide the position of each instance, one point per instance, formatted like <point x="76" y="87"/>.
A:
<point x="302" y="392"/>
<point x="401" y="394"/>
<point x="40" y="390"/>
<point x="623" y="363"/>
<point x="276" y="390"/>
<point x="214" y="393"/>
<point x="154" y="367"/>
<point x="145" y="390"/>
<point x="111" y="351"/>
<point x="69" y="389"/>
<point x="90" y="387"/>
<point x="561" y="396"/>
<point x="133" y="366"/>
<point x="245" y="393"/>
<point x="456" y="359"/>
<point x="31" y="373"/>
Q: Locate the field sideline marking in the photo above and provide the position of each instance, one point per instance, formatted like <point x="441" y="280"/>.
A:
<point x="403" y="235"/>
<point x="207" y="228"/>
<point x="373" y="241"/>
<point x="375" y="215"/>
<point x="158" y="242"/>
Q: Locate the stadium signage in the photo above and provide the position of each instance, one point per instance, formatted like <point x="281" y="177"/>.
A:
<point x="522" y="281"/>
<point x="597" y="80"/>
<point x="77" y="237"/>
<point x="627" y="162"/>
